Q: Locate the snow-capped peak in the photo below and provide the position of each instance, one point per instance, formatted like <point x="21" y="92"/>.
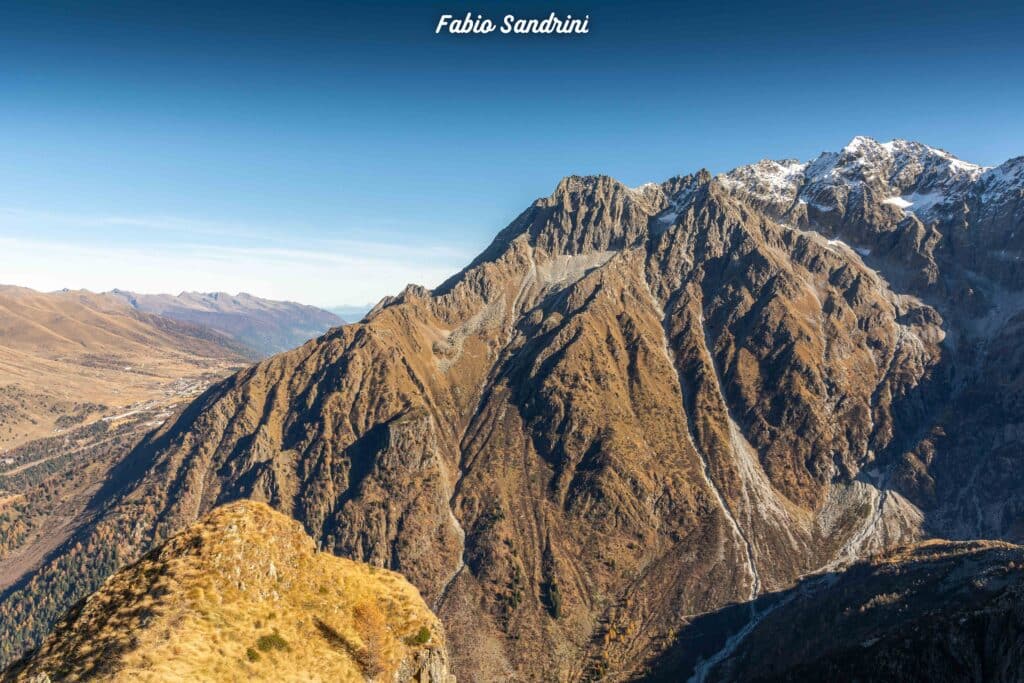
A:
<point x="1003" y="180"/>
<point x="909" y="176"/>
<point x="769" y="171"/>
<point x="858" y="143"/>
<point x="903" y="152"/>
<point x="767" y="180"/>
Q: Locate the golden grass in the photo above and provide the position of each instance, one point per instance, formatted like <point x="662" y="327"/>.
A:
<point x="243" y="596"/>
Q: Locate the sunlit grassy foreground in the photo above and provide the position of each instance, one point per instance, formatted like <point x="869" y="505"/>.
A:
<point x="244" y="595"/>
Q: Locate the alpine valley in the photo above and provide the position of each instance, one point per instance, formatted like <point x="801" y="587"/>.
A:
<point x="734" y="427"/>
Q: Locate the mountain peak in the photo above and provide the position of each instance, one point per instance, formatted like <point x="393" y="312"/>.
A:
<point x="858" y="143"/>
<point x="863" y="143"/>
<point x="900" y="173"/>
<point x="902" y="152"/>
<point x="583" y="183"/>
<point x="583" y="214"/>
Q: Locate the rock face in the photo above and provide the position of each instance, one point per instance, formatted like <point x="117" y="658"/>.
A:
<point x="244" y="595"/>
<point x="636" y="406"/>
<point x="263" y="326"/>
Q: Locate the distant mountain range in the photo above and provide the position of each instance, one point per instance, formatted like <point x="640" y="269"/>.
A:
<point x="71" y="347"/>
<point x="264" y="326"/>
<point x="650" y="430"/>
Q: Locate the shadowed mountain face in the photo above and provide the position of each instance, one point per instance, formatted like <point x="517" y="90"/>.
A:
<point x="938" y="611"/>
<point x="636" y="406"/>
<point x="264" y="326"/>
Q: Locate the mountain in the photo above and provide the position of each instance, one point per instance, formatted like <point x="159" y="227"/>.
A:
<point x="636" y="407"/>
<point x="264" y="326"/>
<point x="243" y="595"/>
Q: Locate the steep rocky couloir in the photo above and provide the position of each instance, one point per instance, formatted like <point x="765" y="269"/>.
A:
<point x="638" y="405"/>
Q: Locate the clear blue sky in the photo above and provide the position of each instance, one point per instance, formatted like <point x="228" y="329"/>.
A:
<point x="330" y="151"/>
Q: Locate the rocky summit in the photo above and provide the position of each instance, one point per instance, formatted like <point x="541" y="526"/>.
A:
<point x="637" y="407"/>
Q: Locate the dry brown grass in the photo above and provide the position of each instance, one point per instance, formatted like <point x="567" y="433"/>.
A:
<point x="242" y="596"/>
<point x="61" y="351"/>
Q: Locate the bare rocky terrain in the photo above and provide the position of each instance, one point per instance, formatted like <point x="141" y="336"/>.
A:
<point x="637" y="408"/>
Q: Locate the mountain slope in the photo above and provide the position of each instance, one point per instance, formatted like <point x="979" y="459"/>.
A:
<point x="82" y="378"/>
<point x="938" y="611"/>
<point x="264" y="326"/>
<point x="636" y="406"/>
<point x="243" y="595"/>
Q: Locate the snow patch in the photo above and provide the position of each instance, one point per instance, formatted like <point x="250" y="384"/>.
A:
<point x="643" y="188"/>
<point x="925" y="202"/>
<point x="678" y="204"/>
<point x="819" y="206"/>
<point x="863" y="251"/>
<point x="898" y="202"/>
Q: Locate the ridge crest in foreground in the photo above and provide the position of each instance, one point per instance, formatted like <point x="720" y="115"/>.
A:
<point x="244" y="595"/>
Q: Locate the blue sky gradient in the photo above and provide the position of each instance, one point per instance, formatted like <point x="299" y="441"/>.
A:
<point x="331" y="151"/>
